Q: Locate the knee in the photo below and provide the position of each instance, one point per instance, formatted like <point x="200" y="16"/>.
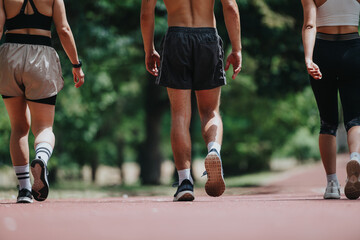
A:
<point x="207" y="114"/>
<point x="352" y="123"/>
<point x="328" y="128"/>
<point x="21" y="129"/>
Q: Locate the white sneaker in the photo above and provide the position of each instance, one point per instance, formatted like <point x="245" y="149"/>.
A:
<point x="332" y="191"/>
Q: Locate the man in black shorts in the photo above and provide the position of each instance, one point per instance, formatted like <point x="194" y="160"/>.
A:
<point x="192" y="59"/>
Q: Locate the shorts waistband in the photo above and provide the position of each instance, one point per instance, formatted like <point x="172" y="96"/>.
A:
<point x="193" y="29"/>
<point x="337" y="37"/>
<point x="28" y="39"/>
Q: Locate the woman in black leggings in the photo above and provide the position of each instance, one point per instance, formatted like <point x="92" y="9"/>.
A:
<point x="332" y="57"/>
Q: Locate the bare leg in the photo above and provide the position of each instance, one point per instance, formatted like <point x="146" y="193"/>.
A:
<point x="327" y="145"/>
<point x="212" y="131"/>
<point x="42" y="118"/>
<point x="180" y="101"/>
<point x="211" y="124"/>
<point x="354" y="139"/>
<point x="352" y="186"/>
<point x="20" y="124"/>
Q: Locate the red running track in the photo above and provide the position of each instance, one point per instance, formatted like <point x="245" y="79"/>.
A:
<point x="289" y="209"/>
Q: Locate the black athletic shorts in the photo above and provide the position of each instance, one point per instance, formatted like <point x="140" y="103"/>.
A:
<point x="191" y="58"/>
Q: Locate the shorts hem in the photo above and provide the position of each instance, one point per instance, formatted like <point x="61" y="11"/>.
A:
<point x="190" y="88"/>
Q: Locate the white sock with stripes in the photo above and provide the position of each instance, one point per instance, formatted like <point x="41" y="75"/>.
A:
<point x="23" y="176"/>
<point x="43" y="151"/>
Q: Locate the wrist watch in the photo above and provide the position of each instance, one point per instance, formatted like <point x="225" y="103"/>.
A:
<point x="77" y="65"/>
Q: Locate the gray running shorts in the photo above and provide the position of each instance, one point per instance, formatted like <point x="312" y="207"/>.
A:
<point x="33" y="71"/>
<point x="191" y="58"/>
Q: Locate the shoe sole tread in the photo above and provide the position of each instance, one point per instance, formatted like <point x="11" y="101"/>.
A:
<point x="40" y="188"/>
<point x="215" y="185"/>
<point x="352" y="186"/>
<point x="184" y="196"/>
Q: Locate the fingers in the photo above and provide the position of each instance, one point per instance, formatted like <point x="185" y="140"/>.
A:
<point x="80" y="82"/>
<point x="236" y="72"/>
<point x="152" y="65"/>
<point x="227" y="65"/>
<point x="158" y="61"/>
<point x="153" y="70"/>
<point x="79" y="77"/>
<point x="315" y="73"/>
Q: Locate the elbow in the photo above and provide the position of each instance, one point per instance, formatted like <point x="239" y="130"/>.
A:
<point x="309" y="26"/>
<point x="231" y="10"/>
<point x="64" y="32"/>
<point x="145" y="16"/>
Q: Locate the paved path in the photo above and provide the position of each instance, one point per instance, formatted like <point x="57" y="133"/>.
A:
<point x="290" y="209"/>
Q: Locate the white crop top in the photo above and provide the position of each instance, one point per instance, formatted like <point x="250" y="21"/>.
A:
<point x="338" y="13"/>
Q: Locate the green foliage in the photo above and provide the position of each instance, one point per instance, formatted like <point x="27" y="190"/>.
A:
<point x="103" y="122"/>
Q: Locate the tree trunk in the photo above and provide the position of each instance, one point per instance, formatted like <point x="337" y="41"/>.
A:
<point x="150" y="157"/>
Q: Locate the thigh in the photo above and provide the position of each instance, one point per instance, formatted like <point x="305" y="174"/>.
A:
<point x="326" y="95"/>
<point x="180" y="101"/>
<point x="11" y="65"/>
<point x="208" y="64"/>
<point x="208" y="100"/>
<point x="176" y="62"/>
<point x="349" y="83"/>
<point x="18" y="112"/>
<point x="43" y="77"/>
<point x="42" y="115"/>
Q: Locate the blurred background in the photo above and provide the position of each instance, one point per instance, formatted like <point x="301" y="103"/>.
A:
<point x="115" y="130"/>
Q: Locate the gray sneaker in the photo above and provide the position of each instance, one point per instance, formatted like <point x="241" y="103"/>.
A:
<point x="352" y="186"/>
<point x="332" y="191"/>
<point x="215" y="185"/>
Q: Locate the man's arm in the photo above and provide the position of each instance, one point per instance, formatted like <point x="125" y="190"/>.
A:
<point x="232" y="22"/>
<point x="147" y="21"/>
<point x="308" y="37"/>
<point x="2" y="18"/>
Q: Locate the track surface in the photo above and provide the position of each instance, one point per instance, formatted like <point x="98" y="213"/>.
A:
<point x="290" y="209"/>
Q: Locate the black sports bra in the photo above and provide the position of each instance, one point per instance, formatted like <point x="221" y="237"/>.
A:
<point x="22" y="20"/>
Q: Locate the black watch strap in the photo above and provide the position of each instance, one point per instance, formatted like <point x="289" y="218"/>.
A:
<point x="77" y="65"/>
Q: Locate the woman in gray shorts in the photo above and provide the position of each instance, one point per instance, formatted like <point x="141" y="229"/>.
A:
<point x="30" y="79"/>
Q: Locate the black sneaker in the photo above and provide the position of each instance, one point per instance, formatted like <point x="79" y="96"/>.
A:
<point x="40" y="188"/>
<point x="24" y="196"/>
<point x="185" y="191"/>
<point x="215" y="185"/>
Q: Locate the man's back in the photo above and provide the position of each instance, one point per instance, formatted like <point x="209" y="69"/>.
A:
<point x="190" y="13"/>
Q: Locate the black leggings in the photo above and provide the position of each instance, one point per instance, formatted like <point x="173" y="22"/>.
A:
<point x="339" y="62"/>
<point x="50" y="100"/>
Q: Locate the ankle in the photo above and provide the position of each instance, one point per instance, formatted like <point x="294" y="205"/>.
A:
<point x="355" y="156"/>
<point x="185" y="174"/>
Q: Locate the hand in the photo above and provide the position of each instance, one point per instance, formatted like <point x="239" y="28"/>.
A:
<point x="313" y="70"/>
<point x="79" y="77"/>
<point x="152" y="62"/>
<point x="235" y="59"/>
